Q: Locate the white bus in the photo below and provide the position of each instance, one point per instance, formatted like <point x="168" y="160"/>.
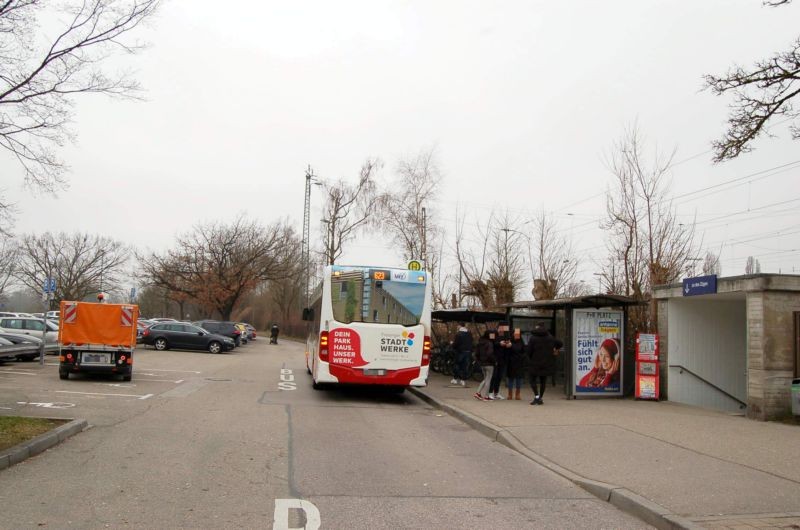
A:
<point x="370" y="326"/>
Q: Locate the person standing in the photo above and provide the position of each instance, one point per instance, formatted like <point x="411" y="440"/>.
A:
<point x="541" y="357"/>
<point x="463" y="346"/>
<point x="485" y="355"/>
<point x="516" y="365"/>
<point x="502" y="350"/>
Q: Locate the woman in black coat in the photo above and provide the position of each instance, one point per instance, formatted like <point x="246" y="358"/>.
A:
<point x="516" y="365"/>
<point x="541" y="352"/>
<point x="485" y="356"/>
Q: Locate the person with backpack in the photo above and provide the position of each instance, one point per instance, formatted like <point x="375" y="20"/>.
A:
<point x="485" y="356"/>
<point x="463" y="346"/>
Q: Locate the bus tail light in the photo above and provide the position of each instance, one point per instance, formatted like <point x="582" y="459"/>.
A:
<point x="323" y="346"/>
<point x="426" y="351"/>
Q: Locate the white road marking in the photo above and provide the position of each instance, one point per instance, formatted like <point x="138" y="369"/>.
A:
<point x="18" y="373"/>
<point x="101" y="394"/>
<point x="56" y="405"/>
<point x="280" y="518"/>
<point x="6" y="408"/>
<point x="179" y="381"/>
<point x="182" y="371"/>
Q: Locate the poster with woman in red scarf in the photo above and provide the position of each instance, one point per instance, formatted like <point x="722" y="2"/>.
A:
<point x="598" y="352"/>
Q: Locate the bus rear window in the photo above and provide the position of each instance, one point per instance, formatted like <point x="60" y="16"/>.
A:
<point x="357" y="297"/>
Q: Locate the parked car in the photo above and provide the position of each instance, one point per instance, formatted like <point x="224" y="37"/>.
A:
<point x="224" y="328"/>
<point x="161" y="319"/>
<point x="31" y="326"/>
<point x="141" y="325"/>
<point x="252" y="331"/>
<point x="244" y="334"/>
<point x="26" y="340"/>
<point x="165" y="335"/>
<point x="53" y="315"/>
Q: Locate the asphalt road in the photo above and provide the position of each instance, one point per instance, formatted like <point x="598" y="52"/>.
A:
<point x="236" y="440"/>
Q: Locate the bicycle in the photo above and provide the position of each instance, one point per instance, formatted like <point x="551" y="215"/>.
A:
<point x="442" y="360"/>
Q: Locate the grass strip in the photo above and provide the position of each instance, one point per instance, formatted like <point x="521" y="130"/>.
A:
<point x="16" y="429"/>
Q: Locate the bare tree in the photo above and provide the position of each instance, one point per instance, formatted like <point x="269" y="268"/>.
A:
<point x="711" y="264"/>
<point x="493" y="267"/>
<point x="8" y="263"/>
<point x="752" y="266"/>
<point x="553" y="259"/>
<point x="760" y="94"/>
<point x="646" y="240"/>
<point x="347" y="209"/>
<point x="82" y="264"/>
<point x="216" y="264"/>
<point x="44" y="68"/>
<point x="405" y="211"/>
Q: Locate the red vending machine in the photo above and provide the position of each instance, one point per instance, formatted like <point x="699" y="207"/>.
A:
<point x="647" y="366"/>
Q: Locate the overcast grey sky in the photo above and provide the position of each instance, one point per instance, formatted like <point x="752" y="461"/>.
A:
<point x="522" y="100"/>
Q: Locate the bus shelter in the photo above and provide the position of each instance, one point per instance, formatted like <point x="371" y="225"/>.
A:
<point x="586" y="324"/>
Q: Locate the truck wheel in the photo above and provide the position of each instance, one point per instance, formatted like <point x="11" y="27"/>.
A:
<point x="160" y="344"/>
<point x="63" y="375"/>
<point x="214" y="347"/>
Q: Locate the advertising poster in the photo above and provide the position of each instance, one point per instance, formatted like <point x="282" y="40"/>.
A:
<point x="598" y="346"/>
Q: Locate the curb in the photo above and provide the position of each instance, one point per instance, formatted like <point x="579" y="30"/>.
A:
<point x="622" y="498"/>
<point x="41" y="443"/>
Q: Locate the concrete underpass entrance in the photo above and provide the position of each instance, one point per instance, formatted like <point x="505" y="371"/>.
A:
<point x="707" y="351"/>
<point x="732" y="350"/>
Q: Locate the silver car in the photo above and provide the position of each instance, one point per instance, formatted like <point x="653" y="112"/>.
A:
<point x="31" y="326"/>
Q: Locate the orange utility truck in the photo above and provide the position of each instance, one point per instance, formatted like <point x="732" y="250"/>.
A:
<point x="97" y="338"/>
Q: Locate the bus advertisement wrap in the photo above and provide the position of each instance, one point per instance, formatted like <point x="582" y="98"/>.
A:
<point x="346" y="348"/>
<point x="598" y="346"/>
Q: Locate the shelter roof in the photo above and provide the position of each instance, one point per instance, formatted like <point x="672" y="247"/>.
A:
<point x="467" y="315"/>
<point x="577" y="302"/>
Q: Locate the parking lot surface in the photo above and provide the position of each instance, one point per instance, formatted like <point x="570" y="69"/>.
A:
<point x="240" y="440"/>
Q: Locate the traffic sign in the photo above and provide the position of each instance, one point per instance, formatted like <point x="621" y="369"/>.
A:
<point x="49" y="285"/>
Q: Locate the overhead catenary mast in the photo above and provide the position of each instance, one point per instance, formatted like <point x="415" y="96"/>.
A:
<point x="310" y="177"/>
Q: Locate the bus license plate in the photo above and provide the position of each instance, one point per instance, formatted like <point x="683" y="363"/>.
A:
<point x="96" y="358"/>
<point x="369" y="371"/>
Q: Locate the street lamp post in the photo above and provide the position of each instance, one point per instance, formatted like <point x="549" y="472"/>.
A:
<point x="526" y="236"/>
<point x="599" y="281"/>
<point x="328" y="251"/>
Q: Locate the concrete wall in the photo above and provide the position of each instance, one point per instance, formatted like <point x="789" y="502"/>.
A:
<point x="708" y="338"/>
<point x="770" y="352"/>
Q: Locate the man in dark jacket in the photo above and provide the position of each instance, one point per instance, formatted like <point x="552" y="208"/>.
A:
<point x="463" y="346"/>
<point x="502" y="353"/>
<point x="542" y="350"/>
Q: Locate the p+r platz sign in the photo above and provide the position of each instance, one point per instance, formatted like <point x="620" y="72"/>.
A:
<point x="700" y="285"/>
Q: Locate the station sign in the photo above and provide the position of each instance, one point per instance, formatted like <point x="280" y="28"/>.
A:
<point x="700" y="285"/>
